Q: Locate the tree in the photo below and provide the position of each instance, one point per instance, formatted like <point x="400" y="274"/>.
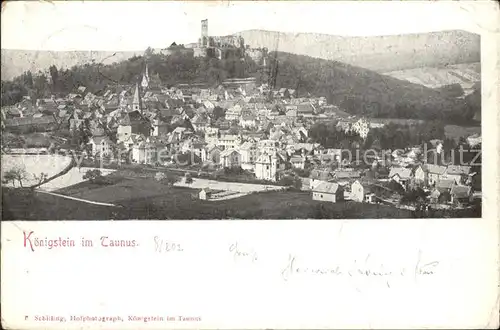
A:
<point x="286" y="181"/>
<point x="160" y="176"/>
<point x="168" y="179"/>
<point x="444" y="197"/>
<point x="414" y="196"/>
<point x="149" y="52"/>
<point x="291" y="181"/>
<point x="27" y="79"/>
<point x="187" y="124"/>
<point x="304" y="173"/>
<point x="40" y="85"/>
<point x="297" y="183"/>
<point x="40" y="178"/>
<point x="9" y="176"/>
<point x="233" y="130"/>
<point x="452" y="90"/>
<point x="171" y="180"/>
<point x="188" y="179"/>
<point x="12" y="92"/>
<point x="54" y="75"/>
<point x="218" y="113"/>
<point x="18" y="174"/>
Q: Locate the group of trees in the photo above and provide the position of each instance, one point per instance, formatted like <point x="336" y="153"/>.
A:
<point x="178" y="67"/>
<point x="20" y="175"/>
<point x="414" y="195"/>
<point x="182" y="67"/>
<point x="15" y="174"/>
<point x="329" y="136"/>
<point x="400" y="136"/>
<point x="391" y="136"/>
<point x="294" y="182"/>
<point x="27" y="84"/>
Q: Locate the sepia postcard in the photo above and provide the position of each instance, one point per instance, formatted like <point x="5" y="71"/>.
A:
<point x="165" y="164"/>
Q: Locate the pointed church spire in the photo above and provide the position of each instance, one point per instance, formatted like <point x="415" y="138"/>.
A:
<point x="145" y="78"/>
<point x="137" y="102"/>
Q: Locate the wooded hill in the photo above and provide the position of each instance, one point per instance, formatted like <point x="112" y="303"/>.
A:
<point x="365" y="92"/>
<point x="357" y="90"/>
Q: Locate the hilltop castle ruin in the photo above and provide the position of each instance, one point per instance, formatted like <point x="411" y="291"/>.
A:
<point x="225" y="46"/>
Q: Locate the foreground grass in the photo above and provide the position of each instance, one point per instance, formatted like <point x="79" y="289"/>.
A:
<point x="181" y="203"/>
<point x="144" y="198"/>
<point x="265" y="205"/>
<point x="26" y="205"/>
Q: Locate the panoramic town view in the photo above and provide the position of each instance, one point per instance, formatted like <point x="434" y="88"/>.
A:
<point x="252" y="125"/>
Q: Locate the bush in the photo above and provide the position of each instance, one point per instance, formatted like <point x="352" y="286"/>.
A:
<point x="92" y="175"/>
<point x="159" y="176"/>
<point x="170" y="179"/>
<point x="291" y="181"/>
<point x="234" y="171"/>
<point x="302" y="172"/>
<point x="95" y="176"/>
<point x="286" y="181"/>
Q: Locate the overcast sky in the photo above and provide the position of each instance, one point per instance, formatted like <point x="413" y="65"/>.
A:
<point x="114" y="25"/>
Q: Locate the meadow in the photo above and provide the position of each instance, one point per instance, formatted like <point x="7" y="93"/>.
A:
<point x="146" y="199"/>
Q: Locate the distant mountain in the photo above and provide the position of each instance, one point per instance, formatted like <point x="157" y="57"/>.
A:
<point x="15" y="61"/>
<point x="378" y="53"/>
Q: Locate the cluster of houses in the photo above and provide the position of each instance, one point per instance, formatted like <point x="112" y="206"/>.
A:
<point x="225" y="125"/>
<point x="236" y="125"/>
<point x="445" y="185"/>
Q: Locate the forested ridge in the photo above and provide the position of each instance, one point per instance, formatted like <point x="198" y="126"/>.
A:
<point x="356" y="90"/>
<point x="364" y="92"/>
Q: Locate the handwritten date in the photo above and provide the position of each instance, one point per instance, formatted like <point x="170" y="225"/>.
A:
<point x="162" y="245"/>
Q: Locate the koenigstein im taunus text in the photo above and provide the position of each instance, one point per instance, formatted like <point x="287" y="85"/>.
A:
<point x="31" y="242"/>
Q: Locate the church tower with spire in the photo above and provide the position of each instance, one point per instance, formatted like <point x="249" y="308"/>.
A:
<point x="145" y="78"/>
<point x="137" y="101"/>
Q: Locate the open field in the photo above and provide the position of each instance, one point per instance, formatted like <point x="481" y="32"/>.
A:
<point x="124" y="189"/>
<point x="176" y="203"/>
<point x="121" y="191"/>
<point x="464" y="74"/>
<point x="182" y="203"/>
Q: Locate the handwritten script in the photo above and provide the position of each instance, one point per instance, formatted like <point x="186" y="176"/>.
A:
<point x="362" y="270"/>
<point x="240" y="252"/>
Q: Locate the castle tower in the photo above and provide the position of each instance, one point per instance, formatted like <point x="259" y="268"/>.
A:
<point x="137" y="102"/>
<point x="145" y="78"/>
<point x="204" y="33"/>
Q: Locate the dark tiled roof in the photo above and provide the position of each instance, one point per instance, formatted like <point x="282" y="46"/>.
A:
<point x="30" y="121"/>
